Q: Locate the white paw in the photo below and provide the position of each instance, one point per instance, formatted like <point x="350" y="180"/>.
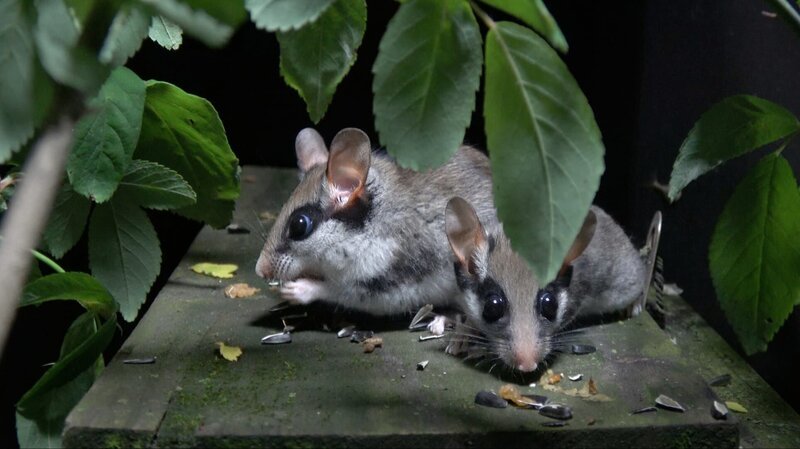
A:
<point x="436" y="327"/>
<point x="303" y="291"/>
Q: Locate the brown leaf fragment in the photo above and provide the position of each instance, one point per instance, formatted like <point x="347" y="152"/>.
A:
<point x="240" y="290"/>
<point x="371" y="343"/>
<point x="592" y="387"/>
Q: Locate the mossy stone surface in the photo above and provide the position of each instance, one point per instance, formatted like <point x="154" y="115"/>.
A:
<point x="320" y="390"/>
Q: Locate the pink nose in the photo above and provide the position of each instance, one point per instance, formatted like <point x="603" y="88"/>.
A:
<point x="525" y="361"/>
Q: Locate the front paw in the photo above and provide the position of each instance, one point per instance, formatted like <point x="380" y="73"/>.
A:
<point x="303" y="291"/>
<point x="437" y="326"/>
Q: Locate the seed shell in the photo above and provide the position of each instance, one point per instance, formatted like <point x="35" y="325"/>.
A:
<point x="720" y="381"/>
<point x="583" y="349"/>
<point x="668" y="403"/>
<point x="345" y="332"/>
<point x="142" y="361"/>
<point x="359" y="336"/>
<point x="277" y="339"/>
<point x="644" y="410"/>
<point x="489" y="399"/>
<point x="719" y="410"/>
<point x="556" y="411"/>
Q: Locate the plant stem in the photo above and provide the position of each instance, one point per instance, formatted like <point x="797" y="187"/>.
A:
<point x="48" y="261"/>
<point x="27" y="214"/>
<point x="482" y="15"/>
<point x="787" y="11"/>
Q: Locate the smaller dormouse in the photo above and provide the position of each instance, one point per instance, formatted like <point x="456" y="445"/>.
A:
<point x="510" y="315"/>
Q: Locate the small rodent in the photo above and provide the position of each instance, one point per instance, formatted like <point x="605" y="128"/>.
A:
<point x="363" y="233"/>
<point x="510" y="315"/>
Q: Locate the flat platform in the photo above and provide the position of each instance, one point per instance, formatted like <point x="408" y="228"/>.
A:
<point x="320" y="390"/>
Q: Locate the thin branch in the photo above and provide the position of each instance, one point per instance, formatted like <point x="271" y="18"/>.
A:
<point x="27" y="215"/>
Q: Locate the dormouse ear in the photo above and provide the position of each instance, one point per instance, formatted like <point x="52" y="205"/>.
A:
<point x="348" y="165"/>
<point x="310" y="149"/>
<point x="581" y="241"/>
<point x="464" y="232"/>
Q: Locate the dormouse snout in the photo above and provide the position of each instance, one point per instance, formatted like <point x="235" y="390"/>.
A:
<point x="264" y="267"/>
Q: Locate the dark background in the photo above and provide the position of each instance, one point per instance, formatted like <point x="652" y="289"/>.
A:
<point x="649" y="70"/>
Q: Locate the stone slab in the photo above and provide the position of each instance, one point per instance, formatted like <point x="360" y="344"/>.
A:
<point x="321" y="390"/>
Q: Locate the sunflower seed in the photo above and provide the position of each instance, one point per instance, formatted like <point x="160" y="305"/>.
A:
<point x="345" y="331"/>
<point x="421" y="365"/>
<point x="143" y="361"/>
<point x="554" y="424"/>
<point x="556" y="411"/>
<point x="429" y="337"/>
<point x="575" y="378"/>
<point x="719" y="410"/>
<point x="234" y="228"/>
<point x="644" y="410"/>
<point x="489" y="399"/>
<point x="276" y="339"/>
<point x="583" y="349"/>
<point x="669" y="404"/>
<point x="720" y="381"/>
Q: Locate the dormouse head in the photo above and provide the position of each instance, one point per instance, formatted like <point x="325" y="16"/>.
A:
<point x="330" y="201"/>
<point x="510" y="314"/>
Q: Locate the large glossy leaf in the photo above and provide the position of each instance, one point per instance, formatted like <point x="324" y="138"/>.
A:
<point x="165" y="33"/>
<point x="37" y="402"/>
<point x="535" y="14"/>
<point x="183" y="132"/>
<point x="754" y="255"/>
<point x="124" y="253"/>
<point x="426" y="74"/>
<point x="65" y="60"/>
<point x="154" y="186"/>
<point x="315" y="58"/>
<point x="128" y="29"/>
<point x="285" y="15"/>
<point x="67" y="221"/>
<point x="70" y="286"/>
<point x="732" y="127"/>
<point x="545" y="148"/>
<point x="16" y="78"/>
<point x="211" y="21"/>
<point x="105" y="140"/>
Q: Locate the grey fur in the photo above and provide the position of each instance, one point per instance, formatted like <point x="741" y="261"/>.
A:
<point x="606" y="277"/>
<point x="390" y="258"/>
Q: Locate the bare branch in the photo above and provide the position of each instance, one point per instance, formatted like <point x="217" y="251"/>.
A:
<point x="27" y="216"/>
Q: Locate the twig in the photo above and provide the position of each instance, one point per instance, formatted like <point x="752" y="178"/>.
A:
<point x="27" y="215"/>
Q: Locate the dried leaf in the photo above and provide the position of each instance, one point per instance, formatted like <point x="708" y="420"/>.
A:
<point x="735" y="407"/>
<point x="591" y="387"/>
<point x="240" y="290"/>
<point x="229" y="353"/>
<point x="217" y="270"/>
<point x="371" y="343"/>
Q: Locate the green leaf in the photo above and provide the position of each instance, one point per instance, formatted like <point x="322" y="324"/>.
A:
<point x="56" y="37"/>
<point x="285" y="15"/>
<point x="165" y="33"/>
<point x="81" y="287"/>
<point x="731" y="128"/>
<point x="211" y="22"/>
<point x="154" y="186"/>
<point x="45" y="424"/>
<point x="67" y="221"/>
<point x="426" y="74"/>
<point x="315" y="58"/>
<point x="105" y="140"/>
<point x="16" y="78"/>
<point x="38" y="402"/>
<point x="535" y="14"/>
<point x="183" y="132"/>
<point x="545" y="147"/>
<point x="754" y="255"/>
<point x="124" y="253"/>
<point x="128" y="29"/>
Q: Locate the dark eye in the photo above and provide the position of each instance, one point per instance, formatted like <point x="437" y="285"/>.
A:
<point x="494" y="308"/>
<point x="547" y="305"/>
<point x="300" y="226"/>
